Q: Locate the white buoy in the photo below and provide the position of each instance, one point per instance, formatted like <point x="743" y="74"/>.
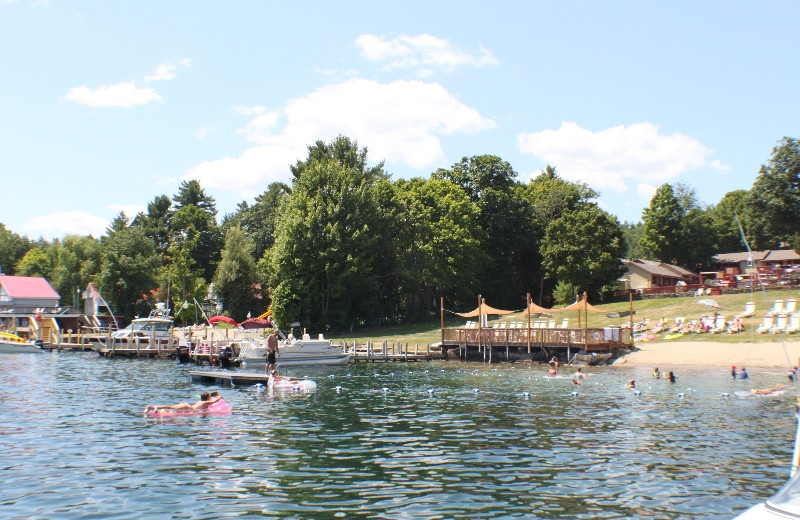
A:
<point x="476" y="390"/>
<point x="526" y="395"/>
<point x="574" y="394"/>
<point x="384" y="390"/>
<point x="425" y="371"/>
<point x="637" y="392"/>
<point x="441" y="370"/>
<point x="349" y="374"/>
<point x="681" y="395"/>
<point x="330" y="376"/>
<point x="338" y="389"/>
<point x="725" y="394"/>
<point x="431" y="391"/>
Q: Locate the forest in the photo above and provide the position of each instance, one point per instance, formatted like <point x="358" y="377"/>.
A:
<point x="345" y="246"/>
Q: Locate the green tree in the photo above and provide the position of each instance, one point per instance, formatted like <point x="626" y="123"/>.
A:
<point x="342" y="151"/>
<point x="440" y="244"/>
<point x="195" y="221"/>
<point x="258" y="220"/>
<point x="322" y="266"/>
<point x="583" y="248"/>
<point x="723" y="220"/>
<point x="76" y="261"/>
<point x="631" y="235"/>
<point x="236" y="274"/>
<point x="156" y="222"/>
<point x="130" y="264"/>
<point x="773" y="204"/>
<point x="662" y="226"/>
<point x="12" y="248"/>
<point x="506" y="223"/>
<point x="34" y="263"/>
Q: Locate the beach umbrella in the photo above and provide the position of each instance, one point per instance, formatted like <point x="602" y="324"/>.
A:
<point x="710" y="303"/>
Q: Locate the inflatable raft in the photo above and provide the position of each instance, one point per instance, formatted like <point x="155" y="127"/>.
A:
<point x="218" y="408"/>
<point x="288" y="384"/>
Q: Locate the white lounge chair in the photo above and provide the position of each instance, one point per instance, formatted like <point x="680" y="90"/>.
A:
<point x="551" y="324"/>
<point x="777" y="307"/>
<point x="749" y="310"/>
<point x="790" y="306"/>
<point x="794" y="324"/>
<point x="766" y="325"/>
<point x="719" y="325"/>
<point x="780" y="324"/>
<point x="564" y="323"/>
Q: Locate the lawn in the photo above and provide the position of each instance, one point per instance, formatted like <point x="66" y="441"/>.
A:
<point x="651" y="309"/>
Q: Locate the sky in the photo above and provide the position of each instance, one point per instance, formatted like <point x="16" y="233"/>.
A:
<point x="106" y="105"/>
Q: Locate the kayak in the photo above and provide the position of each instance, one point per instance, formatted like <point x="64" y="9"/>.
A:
<point x="292" y="385"/>
<point x="218" y="408"/>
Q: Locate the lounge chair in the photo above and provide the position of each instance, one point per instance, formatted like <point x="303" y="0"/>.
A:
<point x="551" y="324"/>
<point x="749" y="310"/>
<point x="735" y="326"/>
<point x="564" y="323"/>
<point x="777" y="307"/>
<point x="780" y="324"/>
<point x="766" y="325"/>
<point x="790" y="306"/>
<point x="719" y="325"/>
<point x="794" y="324"/>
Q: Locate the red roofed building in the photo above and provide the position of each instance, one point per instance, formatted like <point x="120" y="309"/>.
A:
<point x="24" y="294"/>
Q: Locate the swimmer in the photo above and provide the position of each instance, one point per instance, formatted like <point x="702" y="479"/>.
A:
<point x="671" y="377"/>
<point x="743" y="374"/>
<point x="579" y="374"/>
<point x="576" y="381"/>
<point x="631" y="384"/>
<point x="656" y="373"/>
<point x="766" y="391"/>
<point x="206" y="400"/>
<point x="733" y="371"/>
<point x="553" y="366"/>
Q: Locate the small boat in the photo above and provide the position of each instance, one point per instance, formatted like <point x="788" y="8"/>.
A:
<point x="141" y="331"/>
<point x="292" y="352"/>
<point x="13" y="344"/>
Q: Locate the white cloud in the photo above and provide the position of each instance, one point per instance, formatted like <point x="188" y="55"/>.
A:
<point x="125" y="95"/>
<point x="399" y="122"/>
<point x="646" y="191"/>
<point x="162" y="73"/>
<point x="610" y="158"/>
<point x="423" y="52"/>
<point x="55" y="225"/>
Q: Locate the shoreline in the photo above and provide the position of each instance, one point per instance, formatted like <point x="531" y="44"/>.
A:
<point x="766" y="354"/>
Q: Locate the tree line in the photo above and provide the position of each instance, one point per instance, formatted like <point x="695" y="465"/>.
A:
<point x="345" y="246"/>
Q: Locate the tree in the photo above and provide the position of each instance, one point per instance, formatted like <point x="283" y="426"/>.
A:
<point x="508" y="238"/>
<point x="12" y="248"/>
<point x="583" y="248"/>
<point x="194" y="221"/>
<point x="440" y="244"/>
<point x="76" y="261"/>
<point x="156" y="222"/>
<point x="662" y="226"/>
<point x="322" y="266"/>
<point x="128" y="273"/>
<point x="773" y="204"/>
<point x="258" y="220"/>
<point x="341" y="151"/>
<point x="236" y="274"/>
<point x="723" y="221"/>
<point x="190" y="193"/>
<point x="34" y="263"/>
<point x="631" y="235"/>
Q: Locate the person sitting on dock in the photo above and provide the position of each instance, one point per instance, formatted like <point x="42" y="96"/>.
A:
<point x="206" y="400"/>
<point x="272" y="351"/>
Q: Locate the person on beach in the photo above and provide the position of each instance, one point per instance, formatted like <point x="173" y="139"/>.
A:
<point x="631" y="384"/>
<point x="733" y="371"/>
<point x="743" y="374"/>
<point x="671" y="377"/>
<point x="656" y="373"/>
<point x="206" y="400"/>
<point x="553" y="366"/>
<point x="272" y="351"/>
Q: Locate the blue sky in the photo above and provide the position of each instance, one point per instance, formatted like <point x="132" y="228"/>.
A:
<point x="106" y="105"/>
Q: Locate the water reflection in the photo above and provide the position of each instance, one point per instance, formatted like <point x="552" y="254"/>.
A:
<point x="75" y="445"/>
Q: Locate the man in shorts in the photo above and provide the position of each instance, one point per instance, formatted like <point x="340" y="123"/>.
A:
<point x="272" y="351"/>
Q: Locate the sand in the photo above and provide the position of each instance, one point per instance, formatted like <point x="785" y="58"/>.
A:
<point x="767" y="354"/>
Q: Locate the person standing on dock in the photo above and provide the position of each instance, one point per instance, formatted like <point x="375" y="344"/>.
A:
<point x="272" y="351"/>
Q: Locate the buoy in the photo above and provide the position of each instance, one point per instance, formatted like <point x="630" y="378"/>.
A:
<point x="349" y="375"/>
<point x="725" y="394"/>
<point x="330" y="376"/>
<point x="338" y="389"/>
<point x="476" y="390"/>
<point x="681" y="395"/>
<point x="574" y="394"/>
<point x="425" y="371"/>
<point x="391" y="374"/>
<point x="526" y="394"/>
<point x="384" y="390"/>
<point x="431" y="391"/>
<point x="637" y="392"/>
<point x="441" y="370"/>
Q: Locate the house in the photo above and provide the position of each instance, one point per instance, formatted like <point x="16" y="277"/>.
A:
<point x="25" y="294"/>
<point x="769" y="258"/>
<point x="648" y="274"/>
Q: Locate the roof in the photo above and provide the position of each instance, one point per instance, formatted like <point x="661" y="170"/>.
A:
<point x="774" y="255"/>
<point x="27" y="287"/>
<point x="661" y="269"/>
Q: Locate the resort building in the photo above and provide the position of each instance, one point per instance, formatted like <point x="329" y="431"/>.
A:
<point x="769" y="258"/>
<point x="648" y="274"/>
<point x="25" y="294"/>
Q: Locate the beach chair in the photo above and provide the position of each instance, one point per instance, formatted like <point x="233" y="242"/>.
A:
<point x="551" y="324"/>
<point x="503" y="325"/>
<point x="719" y="325"/>
<point x="780" y="324"/>
<point x="790" y="306"/>
<point x="794" y="324"/>
<point x="564" y="323"/>
<point x="777" y="307"/>
<point x="769" y="321"/>
<point x="496" y="325"/>
<point x="749" y="310"/>
<point x="677" y="324"/>
<point x="735" y="326"/>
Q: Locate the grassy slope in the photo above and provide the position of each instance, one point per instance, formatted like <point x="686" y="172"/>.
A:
<point x="687" y="306"/>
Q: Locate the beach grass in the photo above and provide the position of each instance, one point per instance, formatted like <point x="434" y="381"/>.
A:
<point x="652" y="309"/>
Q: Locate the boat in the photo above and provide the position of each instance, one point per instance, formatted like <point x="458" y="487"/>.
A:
<point x="12" y="344"/>
<point x="140" y="332"/>
<point x="293" y="352"/>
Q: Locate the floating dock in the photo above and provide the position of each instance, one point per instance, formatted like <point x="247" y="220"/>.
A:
<point x="229" y="378"/>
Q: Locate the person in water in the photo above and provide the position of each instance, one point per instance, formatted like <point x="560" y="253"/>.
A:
<point x="671" y="377"/>
<point x="579" y="374"/>
<point x="733" y="371"/>
<point x="206" y="400"/>
<point x="656" y="373"/>
<point x="631" y="384"/>
<point x="766" y="391"/>
<point x="275" y="378"/>
<point x="743" y="374"/>
<point x="553" y="366"/>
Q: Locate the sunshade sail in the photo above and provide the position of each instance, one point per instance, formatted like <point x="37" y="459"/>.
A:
<point x="483" y="309"/>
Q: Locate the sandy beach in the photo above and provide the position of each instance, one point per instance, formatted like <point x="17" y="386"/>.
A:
<point x="767" y="354"/>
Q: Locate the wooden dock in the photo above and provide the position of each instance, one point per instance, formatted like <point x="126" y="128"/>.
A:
<point x="229" y="378"/>
<point x="370" y="352"/>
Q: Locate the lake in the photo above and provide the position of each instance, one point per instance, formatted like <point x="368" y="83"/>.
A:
<point x="404" y="440"/>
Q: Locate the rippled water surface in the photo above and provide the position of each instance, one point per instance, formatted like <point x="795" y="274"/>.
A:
<point x="410" y="440"/>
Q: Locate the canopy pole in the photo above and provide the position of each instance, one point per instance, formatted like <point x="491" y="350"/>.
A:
<point x="631" y="315"/>
<point x="528" y="305"/>
<point x="442" y="313"/>
<point x="480" y="333"/>
<point x="585" y="319"/>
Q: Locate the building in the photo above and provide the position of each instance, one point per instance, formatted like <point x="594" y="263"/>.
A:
<point x="769" y="258"/>
<point x="649" y="274"/>
<point x="25" y="294"/>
